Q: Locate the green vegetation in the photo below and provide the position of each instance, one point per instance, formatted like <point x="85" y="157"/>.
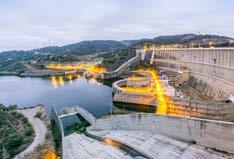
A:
<point x="77" y="127"/>
<point x="84" y="47"/>
<point x="187" y="40"/>
<point x="113" y="52"/>
<point x="56" y="137"/>
<point x="16" y="133"/>
<point x="113" y="60"/>
<point x="13" y="61"/>
<point x="12" y="66"/>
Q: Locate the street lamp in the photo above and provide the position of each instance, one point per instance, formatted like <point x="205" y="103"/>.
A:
<point x="192" y="45"/>
<point x="211" y="44"/>
<point x="231" y="41"/>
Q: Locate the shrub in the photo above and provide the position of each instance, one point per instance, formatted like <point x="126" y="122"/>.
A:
<point x="29" y="131"/>
<point x="14" y="140"/>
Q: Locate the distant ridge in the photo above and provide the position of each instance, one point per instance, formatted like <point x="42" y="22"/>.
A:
<point x="88" y="47"/>
<point x="83" y="47"/>
<point x="183" y="39"/>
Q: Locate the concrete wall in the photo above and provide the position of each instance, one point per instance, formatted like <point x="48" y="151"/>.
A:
<point x="213" y="66"/>
<point x="78" y="110"/>
<point x="202" y="109"/>
<point x="55" y="117"/>
<point x="136" y="98"/>
<point x="208" y="133"/>
<point x="120" y="95"/>
<point x="119" y="70"/>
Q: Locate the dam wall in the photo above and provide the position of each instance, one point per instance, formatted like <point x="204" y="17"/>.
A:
<point x="213" y="66"/>
<point x="202" y="109"/>
<point x="208" y="133"/>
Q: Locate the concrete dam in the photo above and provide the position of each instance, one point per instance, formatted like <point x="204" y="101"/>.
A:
<point x="206" y="72"/>
<point x="193" y="123"/>
<point x="211" y="67"/>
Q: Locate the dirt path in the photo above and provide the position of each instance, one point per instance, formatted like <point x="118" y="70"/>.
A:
<point x="39" y="128"/>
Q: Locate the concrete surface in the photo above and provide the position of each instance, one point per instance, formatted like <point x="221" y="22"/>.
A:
<point x="78" y="146"/>
<point x="159" y="146"/>
<point x="207" y="133"/>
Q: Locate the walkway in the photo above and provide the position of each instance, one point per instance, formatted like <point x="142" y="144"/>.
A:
<point x="39" y="127"/>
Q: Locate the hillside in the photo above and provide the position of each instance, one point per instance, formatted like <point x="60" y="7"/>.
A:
<point x="89" y="47"/>
<point x="16" y="133"/>
<point x="84" y="47"/>
<point x="13" y="61"/>
<point x="187" y="40"/>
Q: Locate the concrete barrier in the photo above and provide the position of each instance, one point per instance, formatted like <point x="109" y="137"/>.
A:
<point x="207" y="133"/>
<point x="119" y="70"/>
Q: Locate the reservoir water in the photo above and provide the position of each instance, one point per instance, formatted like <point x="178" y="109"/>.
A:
<point x="58" y="91"/>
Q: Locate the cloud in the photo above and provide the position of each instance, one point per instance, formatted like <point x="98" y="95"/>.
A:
<point x="27" y="24"/>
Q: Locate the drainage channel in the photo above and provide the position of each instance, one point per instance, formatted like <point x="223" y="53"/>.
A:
<point x="127" y="149"/>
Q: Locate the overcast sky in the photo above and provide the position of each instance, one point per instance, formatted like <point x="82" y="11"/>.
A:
<point x="27" y="24"/>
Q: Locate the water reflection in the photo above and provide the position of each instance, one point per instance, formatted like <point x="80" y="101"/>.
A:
<point x="59" y="81"/>
<point x="27" y="91"/>
<point x="54" y="82"/>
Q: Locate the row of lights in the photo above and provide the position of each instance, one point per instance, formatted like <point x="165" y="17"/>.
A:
<point x="210" y="44"/>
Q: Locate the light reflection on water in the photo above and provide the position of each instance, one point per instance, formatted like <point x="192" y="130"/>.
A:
<point x="59" y="81"/>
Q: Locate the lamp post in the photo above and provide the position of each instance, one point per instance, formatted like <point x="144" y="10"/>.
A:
<point x="231" y="41"/>
<point x="192" y="45"/>
<point x="211" y="44"/>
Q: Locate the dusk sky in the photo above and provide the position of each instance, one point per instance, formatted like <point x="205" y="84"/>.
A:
<point x="27" y="24"/>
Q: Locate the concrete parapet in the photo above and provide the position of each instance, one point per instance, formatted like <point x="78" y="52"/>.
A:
<point x="120" y="69"/>
<point x="208" y="133"/>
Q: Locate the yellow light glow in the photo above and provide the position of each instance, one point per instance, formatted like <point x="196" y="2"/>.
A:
<point x="211" y="44"/>
<point x="61" y="81"/>
<point x="54" y="82"/>
<point x="138" y="90"/>
<point x="86" y="66"/>
<point x="50" y="154"/>
<point x="157" y="88"/>
<point x="162" y="98"/>
<point x="70" y="78"/>
<point x="192" y="45"/>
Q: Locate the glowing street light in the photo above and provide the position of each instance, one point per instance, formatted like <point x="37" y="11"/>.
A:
<point x="192" y="45"/>
<point x="211" y="44"/>
<point x="231" y="42"/>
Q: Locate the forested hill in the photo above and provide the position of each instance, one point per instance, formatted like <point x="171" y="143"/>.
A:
<point x="84" y="47"/>
<point x="89" y="47"/>
<point x="186" y="39"/>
